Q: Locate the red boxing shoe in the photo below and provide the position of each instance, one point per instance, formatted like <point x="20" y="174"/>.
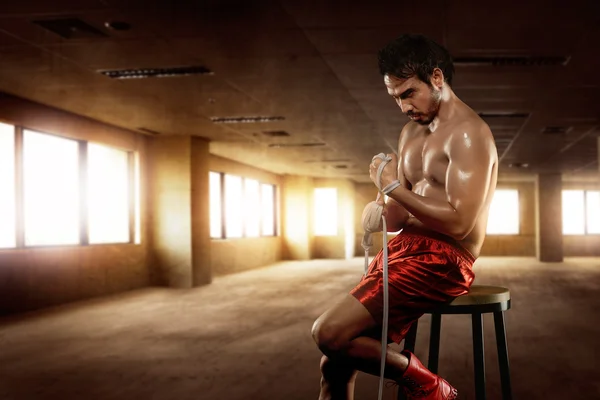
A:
<point x="420" y="383"/>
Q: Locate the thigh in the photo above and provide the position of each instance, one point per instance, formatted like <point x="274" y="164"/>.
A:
<point x="346" y="320"/>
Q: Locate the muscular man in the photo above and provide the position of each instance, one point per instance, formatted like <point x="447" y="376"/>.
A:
<point x="447" y="165"/>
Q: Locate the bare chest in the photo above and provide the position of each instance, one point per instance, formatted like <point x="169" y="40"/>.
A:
<point x="424" y="159"/>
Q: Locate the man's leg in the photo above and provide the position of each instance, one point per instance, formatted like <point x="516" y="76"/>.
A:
<point x="343" y="334"/>
<point x="337" y="379"/>
<point x="340" y="334"/>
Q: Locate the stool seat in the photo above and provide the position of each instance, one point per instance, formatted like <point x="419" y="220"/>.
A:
<point x="480" y="299"/>
<point x="482" y="294"/>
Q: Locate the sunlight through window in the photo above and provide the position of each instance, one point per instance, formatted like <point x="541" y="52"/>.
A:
<point x="7" y="186"/>
<point x="108" y="195"/>
<point x="593" y="211"/>
<point x="51" y="189"/>
<point x="268" y="209"/>
<point x="233" y="206"/>
<point x="573" y="212"/>
<point x="215" y="204"/>
<point x="252" y="207"/>
<point x="137" y="199"/>
<point x="326" y="212"/>
<point x="504" y="213"/>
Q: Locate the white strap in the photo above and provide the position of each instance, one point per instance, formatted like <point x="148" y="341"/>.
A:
<point x="367" y="244"/>
<point x="390" y="188"/>
<point x="384" y="161"/>
<point x="386" y="311"/>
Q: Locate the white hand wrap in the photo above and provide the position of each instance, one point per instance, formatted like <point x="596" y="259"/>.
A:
<point x="371" y="217"/>
<point x="384" y="161"/>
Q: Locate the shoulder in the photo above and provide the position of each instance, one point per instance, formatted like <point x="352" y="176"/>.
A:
<point x="472" y="134"/>
<point x="409" y="130"/>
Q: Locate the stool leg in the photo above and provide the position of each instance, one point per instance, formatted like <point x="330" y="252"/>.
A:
<point x="434" y="342"/>
<point x="411" y="337"/>
<point x="478" y="356"/>
<point x="502" y="354"/>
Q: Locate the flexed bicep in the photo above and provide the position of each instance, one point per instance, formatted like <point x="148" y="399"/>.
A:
<point x="472" y="158"/>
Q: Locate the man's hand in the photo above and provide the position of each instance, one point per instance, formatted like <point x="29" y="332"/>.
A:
<point x="389" y="174"/>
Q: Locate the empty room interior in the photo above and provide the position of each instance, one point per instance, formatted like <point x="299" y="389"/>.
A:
<point x="182" y="187"/>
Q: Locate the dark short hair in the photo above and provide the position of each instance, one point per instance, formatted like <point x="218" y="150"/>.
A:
<point x="415" y="55"/>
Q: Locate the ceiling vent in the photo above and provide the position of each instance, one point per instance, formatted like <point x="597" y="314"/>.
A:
<point x="502" y="114"/>
<point x="244" y="120"/>
<point x="276" y="133"/>
<point x="70" y="28"/>
<point x="140" y="73"/>
<point x="556" y="130"/>
<point x="148" y="131"/>
<point x="512" y="61"/>
<point x="280" y="145"/>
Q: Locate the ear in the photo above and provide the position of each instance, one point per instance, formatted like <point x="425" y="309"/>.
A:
<point x="437" y="78"/>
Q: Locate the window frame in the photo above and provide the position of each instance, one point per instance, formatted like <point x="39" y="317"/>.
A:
<point x="132" y="198"/>
<point x="223" y="210"/>
<point x="585" y="213"/>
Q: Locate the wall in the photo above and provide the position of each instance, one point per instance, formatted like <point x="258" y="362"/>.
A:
<point x="235" y="255"/>
<point x="38" y="277"/>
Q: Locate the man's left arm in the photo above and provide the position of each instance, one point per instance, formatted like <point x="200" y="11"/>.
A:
<point x="471" y="160"/>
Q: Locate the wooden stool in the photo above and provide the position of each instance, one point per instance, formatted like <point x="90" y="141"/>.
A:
<point x="480" y="300"/>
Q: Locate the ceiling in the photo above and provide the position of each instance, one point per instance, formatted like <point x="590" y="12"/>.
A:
<point x="313" y="62"/>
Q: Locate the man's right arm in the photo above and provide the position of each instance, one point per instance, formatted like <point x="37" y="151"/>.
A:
<point x="395" y="214"/>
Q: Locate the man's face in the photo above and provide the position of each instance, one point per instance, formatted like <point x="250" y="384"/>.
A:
<point x="418" y="100"/>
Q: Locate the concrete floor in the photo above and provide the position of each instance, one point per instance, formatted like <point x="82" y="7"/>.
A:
<point x="247" y="336"/>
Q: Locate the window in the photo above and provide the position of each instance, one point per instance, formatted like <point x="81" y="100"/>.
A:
<point x="51" y="189"/>
<point x="247" y="208"/>
<point x="233" y="206"/>
<point x="581" y="212"/>
<point x="504" y="213"/>
<point x="252" y="207"/>
<point x="8" y="237"/>
<point x="268" y="209"/>
<point x="108" y="194"/>
<point x="69" y="192"/>
<point x="593" y="211"/>
<point x="326" y="212"/>
<point x="215" y="205"/>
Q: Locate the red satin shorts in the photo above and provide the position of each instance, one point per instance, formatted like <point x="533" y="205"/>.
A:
<point x="425" y="269"/>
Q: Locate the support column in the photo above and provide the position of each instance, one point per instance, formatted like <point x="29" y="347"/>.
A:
<point x="179" y="211"/>
<point x="549" y="238"/>
<point x="200" y="202"/>
<point x="297" y="195"/>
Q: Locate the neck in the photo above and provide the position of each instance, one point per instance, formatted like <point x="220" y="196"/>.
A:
<point x="447" y="107"/>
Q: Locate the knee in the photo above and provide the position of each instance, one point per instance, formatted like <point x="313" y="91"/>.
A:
<point x="328" y="337"/>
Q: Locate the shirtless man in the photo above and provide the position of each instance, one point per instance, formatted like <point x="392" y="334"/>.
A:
<point x="447" y="166"/>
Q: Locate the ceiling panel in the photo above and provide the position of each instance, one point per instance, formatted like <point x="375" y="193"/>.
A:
<point x="314" y="63"/>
